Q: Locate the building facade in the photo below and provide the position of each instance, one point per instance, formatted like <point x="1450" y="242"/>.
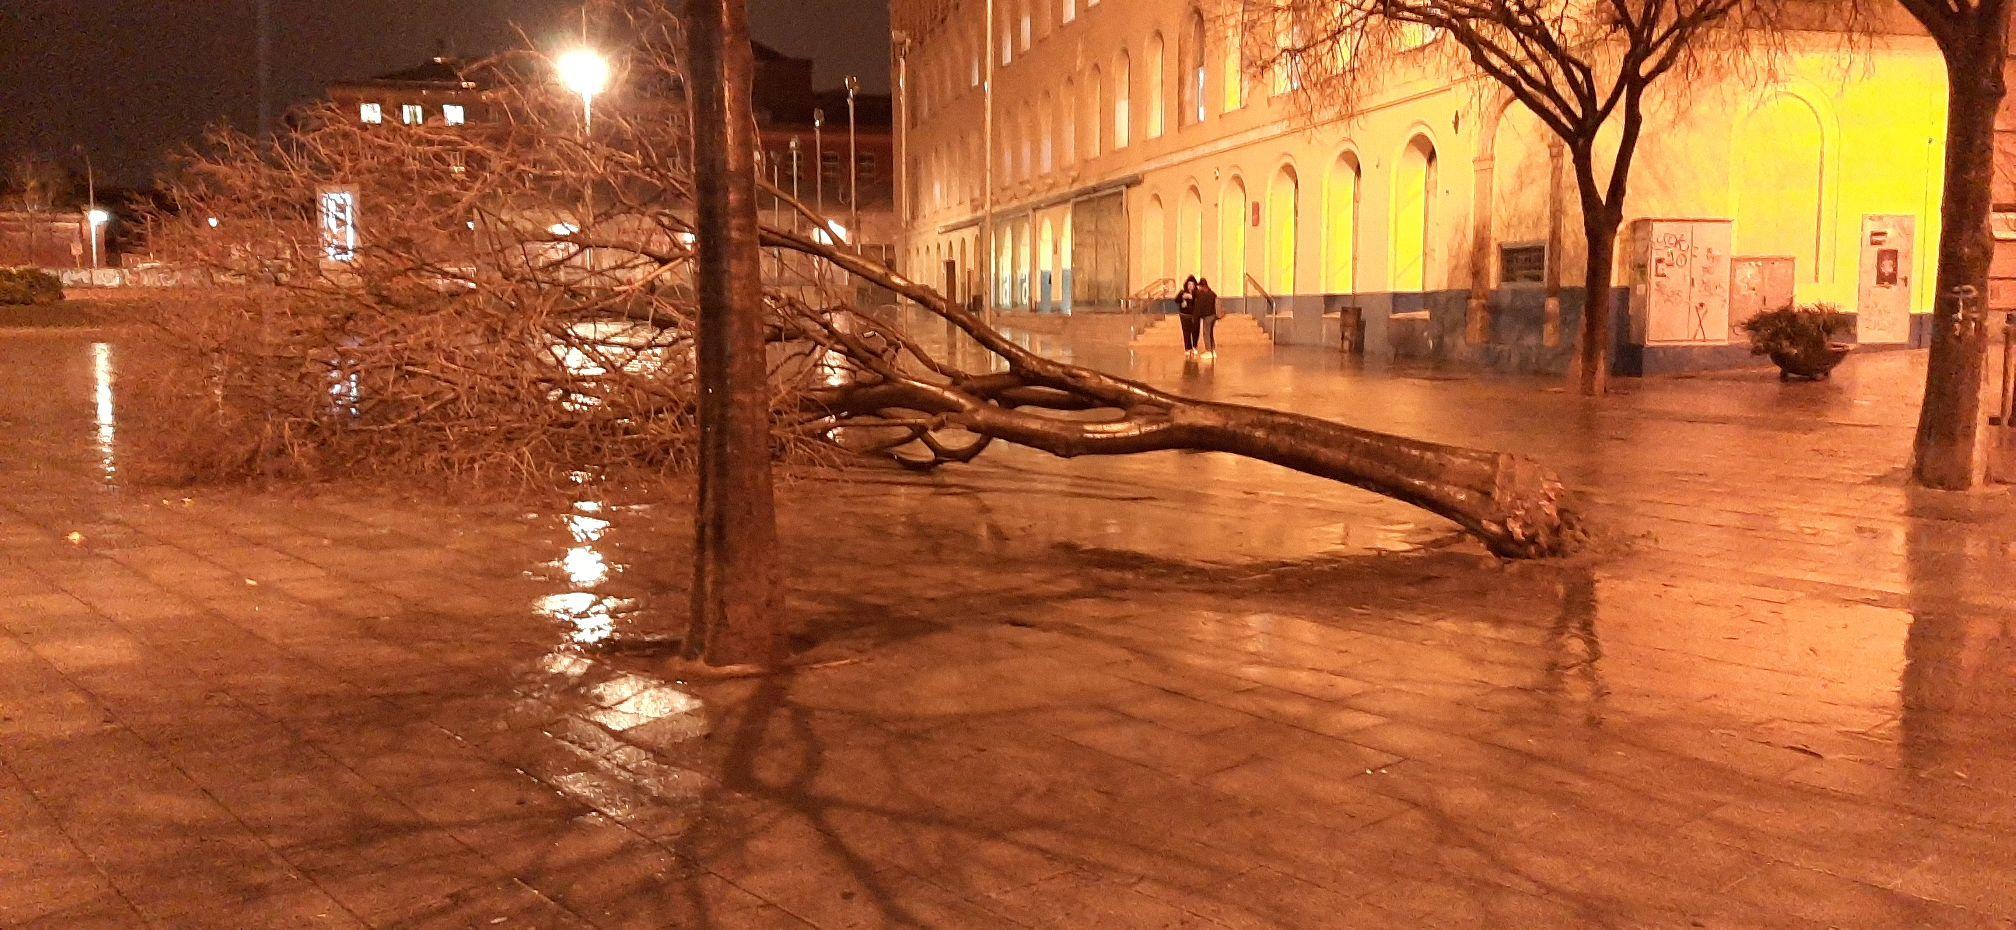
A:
<point x="1133" y="147"/>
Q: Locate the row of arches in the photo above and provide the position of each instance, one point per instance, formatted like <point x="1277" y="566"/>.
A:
<point x="1174" y="240"/>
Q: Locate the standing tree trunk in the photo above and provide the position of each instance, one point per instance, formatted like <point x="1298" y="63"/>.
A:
<point x="1593" y="358"/>
<point x="1947" y="453"/>
<point x="735" y="603"/>
<point x="1601" y="216"/>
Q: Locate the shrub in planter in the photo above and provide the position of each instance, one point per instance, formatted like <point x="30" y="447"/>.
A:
<point x="1804" y="341"/>
<point x="28" y="286"/>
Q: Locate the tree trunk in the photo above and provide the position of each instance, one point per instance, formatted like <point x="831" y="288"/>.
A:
<point x="1947" y="452"/>
<point x="735" y="619"/>
<point x="1515" y="505"/>
<point x="1592" y="354"/>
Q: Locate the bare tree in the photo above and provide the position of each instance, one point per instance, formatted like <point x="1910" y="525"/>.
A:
<point x="38" y="183"/>
<point x="480" y="317"/>
<point x="1582" y="68"/>
<point x="1973" y="37"/>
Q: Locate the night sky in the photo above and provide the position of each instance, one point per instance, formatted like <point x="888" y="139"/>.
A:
<point x="131" y="79"/>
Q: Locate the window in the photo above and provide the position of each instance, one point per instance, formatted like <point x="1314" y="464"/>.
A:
<point x="1522" y="263"/>
<point x="1155" y="82"/>
<point x="1069" y="11"/>
<point x="1288" y="48"/>
<point x="868" y="166"/>
<point x="339" y="224"/>
<point x="1235" y="67"/>
<point x="371" y="113"/>
<point x="412" y="114"/>
<point x="1122" y="88"/>
<point x="453" y="114"/>
<point x="1025" y="31"/>
<point x="1190" y="67"/>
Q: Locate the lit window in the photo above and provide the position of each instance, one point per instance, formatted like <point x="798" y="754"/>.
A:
<point x="339" y="224"/>
<point x="412" y="114"/>
<point x="453" y="114"/>
<point x="370" y="113"/>
<point x="1070" y="10"/>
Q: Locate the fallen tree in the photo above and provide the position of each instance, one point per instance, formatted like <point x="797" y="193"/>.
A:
<point x="516" y="298"/>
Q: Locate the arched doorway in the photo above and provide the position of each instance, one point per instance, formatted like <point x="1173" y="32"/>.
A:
<point x="1154" y="264"/>
<point x="1232" y="213"/>
<point x="1340" y="226"/>
<point x="1189" y="235"/>
<point x="1282" y="232"/>
<point x="1046" y="269"/>
<point x="1413" y="216"/>
<point x="1779" y="197"/>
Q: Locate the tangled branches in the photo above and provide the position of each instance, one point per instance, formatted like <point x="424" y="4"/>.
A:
<point x="514" y="298"/>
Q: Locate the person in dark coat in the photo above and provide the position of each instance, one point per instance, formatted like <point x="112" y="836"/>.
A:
<point x="1186" y="312"/>
<point x="1205" y="303"/>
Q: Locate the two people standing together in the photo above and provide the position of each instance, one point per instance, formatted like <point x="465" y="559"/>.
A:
<point x="1197" y="304"/>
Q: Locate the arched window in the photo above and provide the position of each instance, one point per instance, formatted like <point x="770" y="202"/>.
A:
<point x="1154" y="265"/>
<point x="1340" y="226"/>
<point x="1283" y="196"/>
<point x="1157" y="78"/>
<point x="1414" y="216"/>
<point x="1232" y="212"/>
<point x="1067" y="124"/>
<point x="1122" y="91"/>
<point x="1235" y="65"/>
<point x="1007" y="32"/>
<point x="1046" y="135"/>
<point x="1095" y="127"/>
<point x="1288" y="55"/>
<point x="1191" y="70"/>
<point x="1025" y="129"/>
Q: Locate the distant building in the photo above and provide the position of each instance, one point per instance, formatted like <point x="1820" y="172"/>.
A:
<point x="440" y="91"/>
<point x="1134" y="144"/>
<point x="51" y="239"/>
<point x="455" y="91"/>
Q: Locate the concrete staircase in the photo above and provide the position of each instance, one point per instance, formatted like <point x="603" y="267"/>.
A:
<point x="1238" y="330"/>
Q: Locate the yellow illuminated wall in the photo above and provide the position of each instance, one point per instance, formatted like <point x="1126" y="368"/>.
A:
<point x="1795" y="154"/>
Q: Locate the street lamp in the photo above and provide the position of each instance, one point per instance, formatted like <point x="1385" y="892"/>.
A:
<point x="585" y="72"/>
<point x="853" y="163"/>
<point x="98" y="218"/>
<point x="819" y="163"/>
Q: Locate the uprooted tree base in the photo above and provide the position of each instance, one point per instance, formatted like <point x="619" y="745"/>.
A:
<point x="513" y="300"/>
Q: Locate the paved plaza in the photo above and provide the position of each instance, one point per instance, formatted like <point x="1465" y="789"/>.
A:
<point x="1168" y="691"/>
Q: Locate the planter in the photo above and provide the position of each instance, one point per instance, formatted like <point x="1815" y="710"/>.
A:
<point x="1809" y="363"/>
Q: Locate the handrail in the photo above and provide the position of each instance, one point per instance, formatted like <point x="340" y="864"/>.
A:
<point x="1154" y="290"/>
<point x="1263" y="291"/>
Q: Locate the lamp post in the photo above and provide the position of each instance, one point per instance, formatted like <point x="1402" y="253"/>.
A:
<point x="585" y="72"/>
<point x="819" y="163"/>
<point x="95" y="218"/>
<point x="853" y="168"/>
<point x="794" y="170"/>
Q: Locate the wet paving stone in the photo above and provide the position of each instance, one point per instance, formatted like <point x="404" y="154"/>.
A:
<point x="1166" y="691"/>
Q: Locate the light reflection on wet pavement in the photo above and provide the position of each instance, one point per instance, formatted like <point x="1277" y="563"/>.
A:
<point x="1170" y="690"/>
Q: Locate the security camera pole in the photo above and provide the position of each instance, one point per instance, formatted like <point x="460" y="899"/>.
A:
<point x="735" y="617"/>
